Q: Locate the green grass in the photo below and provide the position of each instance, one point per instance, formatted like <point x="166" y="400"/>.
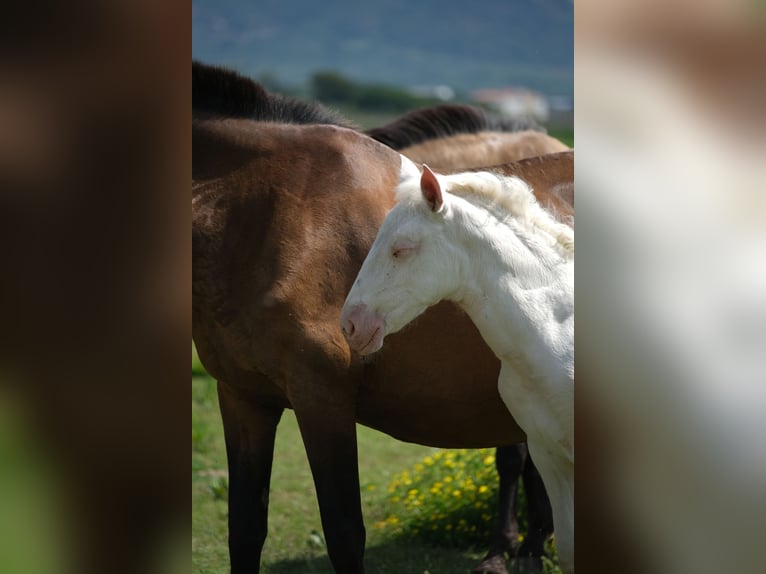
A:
<point x="295" y="541"/>
<point x="566" y="136"/>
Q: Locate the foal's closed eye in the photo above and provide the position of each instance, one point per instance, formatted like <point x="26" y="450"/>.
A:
<point x="401" y="252"/>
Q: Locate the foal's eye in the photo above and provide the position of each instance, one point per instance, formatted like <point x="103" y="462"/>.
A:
<point x="401" y="252"/>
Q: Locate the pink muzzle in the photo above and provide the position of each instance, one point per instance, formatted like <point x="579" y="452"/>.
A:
<point x="364" y="330"/>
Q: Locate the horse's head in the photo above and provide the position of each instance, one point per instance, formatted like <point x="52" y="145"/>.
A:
<point x="409" y="267"/>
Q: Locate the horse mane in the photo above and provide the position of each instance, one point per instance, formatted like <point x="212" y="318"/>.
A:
<point x="445" y="120"/>
<point x="512" y="196"/>
<point x="504" y="196"/>
<point x="219" y="91"/>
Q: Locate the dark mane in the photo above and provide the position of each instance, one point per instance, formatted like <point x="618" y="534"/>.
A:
<point x="221" y="92"/>
<point x="442" y="121"/>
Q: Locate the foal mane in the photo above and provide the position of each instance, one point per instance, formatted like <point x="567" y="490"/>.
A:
<point x="445" y="120"/>
<point x="504" y="197"/>
<point x="218" y="91"/>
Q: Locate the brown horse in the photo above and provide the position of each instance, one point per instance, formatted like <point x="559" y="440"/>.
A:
<point x="454" y="137"/>
<point x="286" y="203"/>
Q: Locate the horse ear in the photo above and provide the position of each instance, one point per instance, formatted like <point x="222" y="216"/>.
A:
<point x="432" y="191"/>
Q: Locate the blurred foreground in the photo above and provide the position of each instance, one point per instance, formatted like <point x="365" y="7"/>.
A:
<point x="671" y="329"/>
<point x="95" y="296"/>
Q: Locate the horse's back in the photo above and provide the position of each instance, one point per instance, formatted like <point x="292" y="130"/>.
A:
<point x="467" y="151"/>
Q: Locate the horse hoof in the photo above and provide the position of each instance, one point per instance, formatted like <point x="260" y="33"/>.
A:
<point x="491" y="565"/>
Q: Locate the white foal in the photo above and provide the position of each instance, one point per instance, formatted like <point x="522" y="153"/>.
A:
<point x="483" y="241"/>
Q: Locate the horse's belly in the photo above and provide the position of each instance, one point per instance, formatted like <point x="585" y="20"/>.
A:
<point x="445" y="424"/>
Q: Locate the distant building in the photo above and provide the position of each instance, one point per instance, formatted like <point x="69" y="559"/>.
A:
<point x="443" y="93"/>
<point x="515" y="102"/>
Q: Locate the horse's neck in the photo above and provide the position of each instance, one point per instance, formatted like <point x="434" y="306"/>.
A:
<point x="522" y="305"/>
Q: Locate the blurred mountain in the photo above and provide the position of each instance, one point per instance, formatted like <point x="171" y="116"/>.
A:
<point x="463" y="44"/>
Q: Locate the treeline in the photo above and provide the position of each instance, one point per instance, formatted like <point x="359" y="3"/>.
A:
<point x="334" y="88"/>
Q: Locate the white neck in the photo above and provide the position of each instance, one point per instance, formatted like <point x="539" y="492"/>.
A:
<point x="521" y="300"/>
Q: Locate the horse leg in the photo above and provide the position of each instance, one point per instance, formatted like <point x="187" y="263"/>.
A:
<point x="329" y="435"/>
<point x="558" y="476"/>
<point x="505" y="536"/>
<point x="539" y="517"/>
<point x="249" y="429"/>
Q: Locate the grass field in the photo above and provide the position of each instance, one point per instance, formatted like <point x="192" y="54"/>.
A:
<point x="295" y="542"/>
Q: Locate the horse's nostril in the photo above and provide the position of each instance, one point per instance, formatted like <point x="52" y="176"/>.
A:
<point x="348" y="328"/>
